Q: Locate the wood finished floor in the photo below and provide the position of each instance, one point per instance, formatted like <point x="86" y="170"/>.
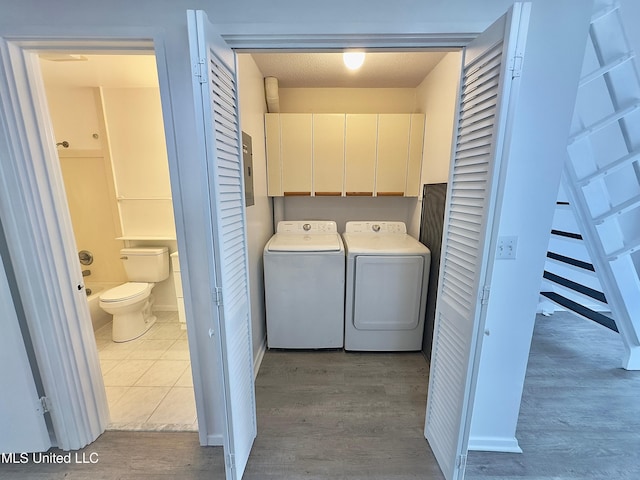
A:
<point x="339" y="415"/>
<point x="336" y="415"/>
<point x="580" y="412"/>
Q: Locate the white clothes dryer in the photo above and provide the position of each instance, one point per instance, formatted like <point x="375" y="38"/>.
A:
<point x="304" y="272"/>
<point x="386" y="287"/>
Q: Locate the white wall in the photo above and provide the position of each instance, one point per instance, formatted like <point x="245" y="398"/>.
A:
<point x="260" y="215"/>
<point x="252" y="17"/>
<point x="436" y="97"/>
<point x="344" y="209"/>
<point x="135" y="132"/>
<point x="347" y="100"/>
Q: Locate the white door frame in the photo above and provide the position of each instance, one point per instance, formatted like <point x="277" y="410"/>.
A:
<point x="38" y="229"/>
<point x="36" y="234"/>
<point x="21" y="411"/>
<point x="37" y="225"/>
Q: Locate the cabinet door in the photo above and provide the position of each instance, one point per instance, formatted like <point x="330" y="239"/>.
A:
<point x="274" y="160"/>
<point x="360" y="154"/>
<point x="295" y="141"/>
<point x="328" y="154"/>
<point x="416" y="140"/>
<point x="393" y="153"/>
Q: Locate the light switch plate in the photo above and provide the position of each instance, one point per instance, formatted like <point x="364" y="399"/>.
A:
<point x="507" y="247"/>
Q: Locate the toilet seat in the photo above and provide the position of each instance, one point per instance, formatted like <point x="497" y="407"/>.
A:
<point x="126" y="291"/>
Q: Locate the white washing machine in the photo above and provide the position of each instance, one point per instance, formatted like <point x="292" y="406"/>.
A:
<point x="304" y="272"/>
<point x="386" y="289"/>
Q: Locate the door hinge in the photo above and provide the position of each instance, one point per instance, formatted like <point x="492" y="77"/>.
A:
<point x="461" y="462"/>
<point x="231" y="461"/>
<point x="199" y="71"/>
<point x="516" y="66"/>
<point x="217" y="296"/>
<point x="45" y="405"/>
<point x="484" y="299"/>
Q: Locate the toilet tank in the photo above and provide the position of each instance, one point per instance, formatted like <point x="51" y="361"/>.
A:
<point x="148" y="264"/>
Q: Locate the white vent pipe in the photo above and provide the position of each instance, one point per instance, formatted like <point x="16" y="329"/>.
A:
<point x="271" y="94"/>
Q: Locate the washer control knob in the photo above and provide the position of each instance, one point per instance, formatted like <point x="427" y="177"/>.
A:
<point x="306" y="227"/>
<point x="375" y="228"/>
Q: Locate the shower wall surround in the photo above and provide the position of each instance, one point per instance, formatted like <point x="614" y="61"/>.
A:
<point x="116" y="175"/>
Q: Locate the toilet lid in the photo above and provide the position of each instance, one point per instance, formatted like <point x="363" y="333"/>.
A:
<point x="124" y="291"/>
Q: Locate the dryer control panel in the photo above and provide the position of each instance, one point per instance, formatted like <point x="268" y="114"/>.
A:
<point x="308" y="227"/>
<point x="376" y="227"/>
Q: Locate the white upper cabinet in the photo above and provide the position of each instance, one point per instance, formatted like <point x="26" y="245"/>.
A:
<point x="393" y="153"/>
<point x="328" y="154"/>
<point x="296" y="135"/>
<point x="338" y="154"/>
<point x="360" y="156"/>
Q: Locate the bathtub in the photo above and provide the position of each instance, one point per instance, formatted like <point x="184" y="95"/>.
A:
<point x="99" y="318"/>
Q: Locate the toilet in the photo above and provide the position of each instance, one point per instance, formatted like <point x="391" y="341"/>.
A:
<point x="130" y="303"/>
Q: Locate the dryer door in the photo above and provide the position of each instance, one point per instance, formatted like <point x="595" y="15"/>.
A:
<point x="387" y="292"/>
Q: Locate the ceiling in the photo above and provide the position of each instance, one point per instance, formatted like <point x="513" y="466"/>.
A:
<point x="110" y="71"/>
<point x="309" y="70"/>
<point x="380" y="69"/>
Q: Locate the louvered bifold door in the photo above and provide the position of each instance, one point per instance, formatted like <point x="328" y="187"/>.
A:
<point x="215" y="84"/>
<point x="487" y="87"/>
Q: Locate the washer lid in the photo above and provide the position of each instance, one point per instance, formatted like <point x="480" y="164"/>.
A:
<point x="124" y="291"/>
<point x="390" y="244"/>
<point x="305" y="243"/>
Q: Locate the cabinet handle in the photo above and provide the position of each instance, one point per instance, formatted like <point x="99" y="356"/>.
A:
<point x="297" y="194"/>
<point x="359" y="194"/>
<point x="390" y="194"/>
<point x="328" y="194"/>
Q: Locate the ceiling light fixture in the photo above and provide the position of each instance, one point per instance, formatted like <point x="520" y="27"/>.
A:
<point x="353" y="60"/>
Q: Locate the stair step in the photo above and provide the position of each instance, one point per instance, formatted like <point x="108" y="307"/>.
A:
<point x="610" y="168"/>
<point x="581" y="310"/>
<point x="600" y="14"/>
<point x="606" y="68"/>
<point x="605" y="122"/>
<point x="627" y="249"/>
<point x="571" y="261"/>
<point x="575" y="286"/>
<point x="561" y="233"/>
<point x="624" y="207"/>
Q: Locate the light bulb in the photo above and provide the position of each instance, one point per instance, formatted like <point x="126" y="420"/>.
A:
<point x="353" y="60"/>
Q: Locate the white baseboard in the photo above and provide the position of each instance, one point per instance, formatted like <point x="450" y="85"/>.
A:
<point x="214" y="440"/>
<point x="494" y="444"/>
<point x="165" y="308"/>
<point x="257" y="358"/>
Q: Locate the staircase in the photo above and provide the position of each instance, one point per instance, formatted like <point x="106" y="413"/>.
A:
<point x="570" y="279"/>
<point x="602" y="177"/>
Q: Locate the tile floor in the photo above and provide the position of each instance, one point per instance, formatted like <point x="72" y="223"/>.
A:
<point x="148" y="380"/>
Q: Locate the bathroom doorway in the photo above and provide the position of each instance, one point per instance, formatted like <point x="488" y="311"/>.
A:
<point x="106" y="116"/>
